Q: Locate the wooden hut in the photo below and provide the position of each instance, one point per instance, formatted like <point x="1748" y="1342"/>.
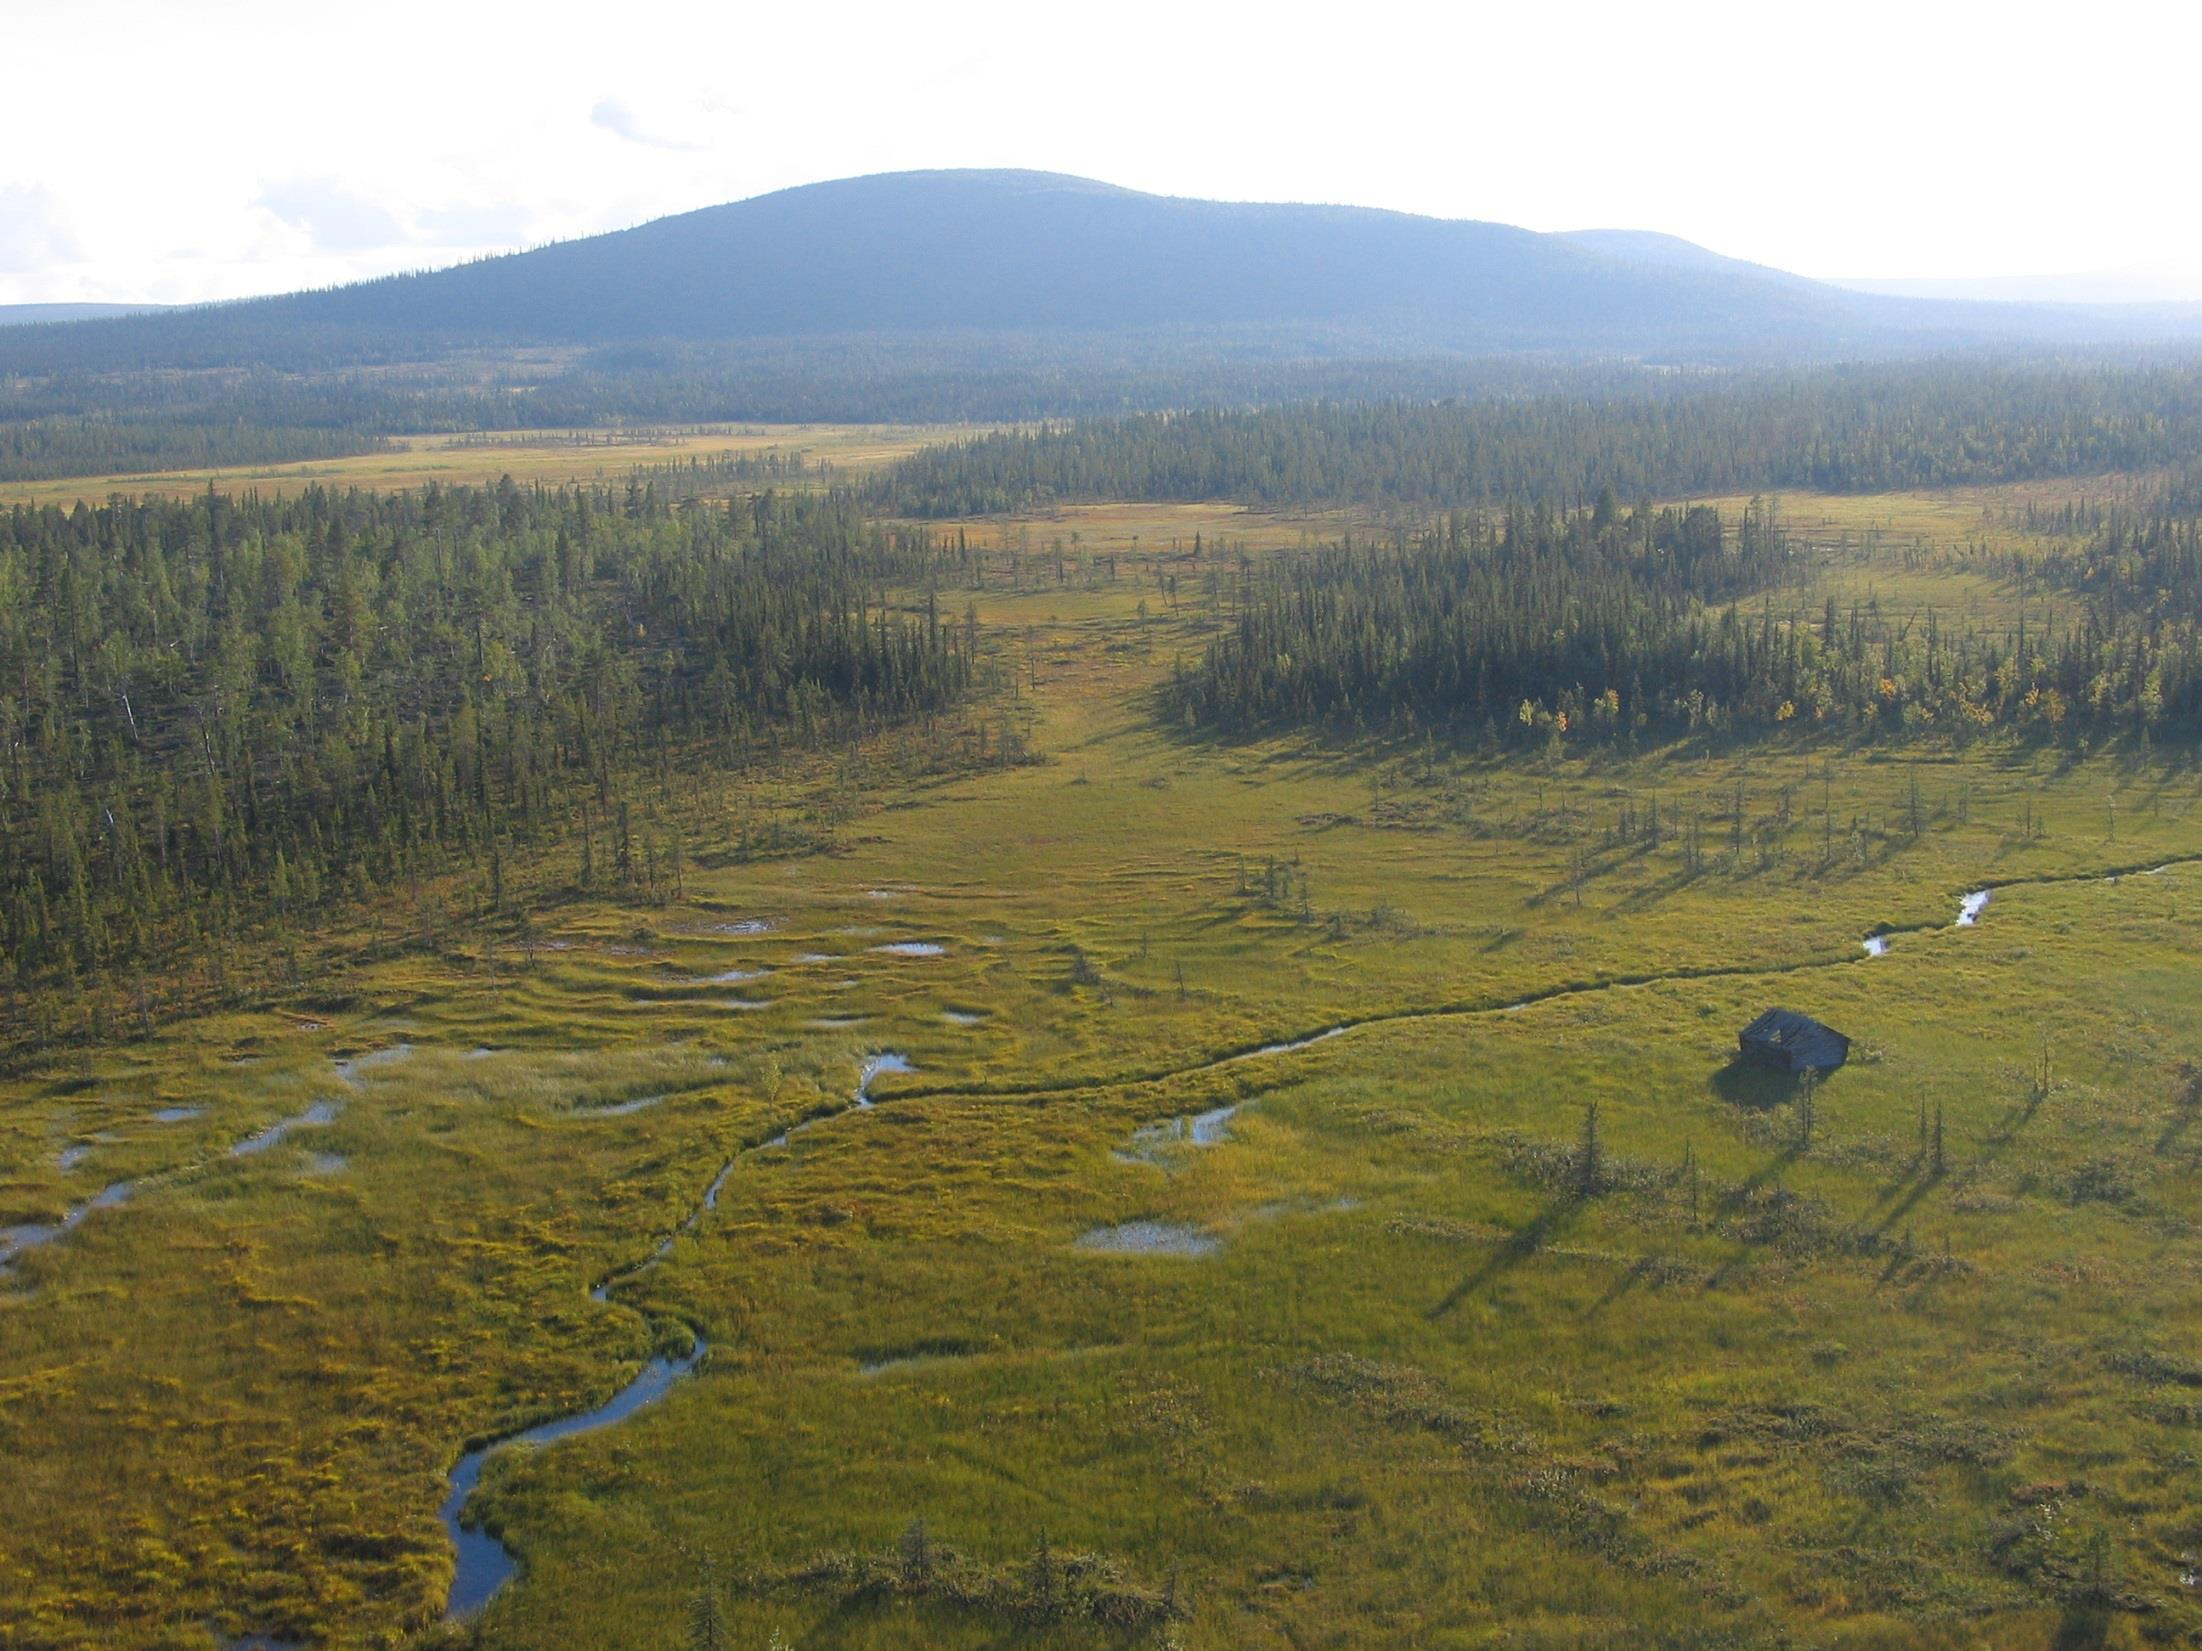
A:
<point x="1789" y="1042"/>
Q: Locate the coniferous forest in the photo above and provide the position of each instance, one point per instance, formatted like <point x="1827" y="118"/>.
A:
<point x="1849" y="430"/>
<point x="225" y="706"/>
<point x="1594" y="625"/>
<point x="1252" y="941"/>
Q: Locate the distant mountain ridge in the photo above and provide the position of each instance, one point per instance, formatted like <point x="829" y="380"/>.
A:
<point x="1651" y="247"/>
<point x="968" y="254"/>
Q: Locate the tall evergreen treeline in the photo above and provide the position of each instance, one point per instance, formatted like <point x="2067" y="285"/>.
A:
<point x="1538" y="626"/>
<point x="1172" y="417"/>
<point x="224" y="708"/>
<point x="1862" y="429"/>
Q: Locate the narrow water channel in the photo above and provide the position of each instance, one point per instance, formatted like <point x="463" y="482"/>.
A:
<point x="15" y="1240"/>
<point x="482" y="1563"/>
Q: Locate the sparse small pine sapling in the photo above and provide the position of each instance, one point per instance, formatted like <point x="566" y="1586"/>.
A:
<point x="707" y="1628"/>
<point x="917" y="1555"/>
<point x="2097" y="1583"/>
<point x="1043" y="1582"/>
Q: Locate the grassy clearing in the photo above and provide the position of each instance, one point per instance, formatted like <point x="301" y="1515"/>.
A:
<point x="1757" y="1389"/>
<point x="549" y="457"/>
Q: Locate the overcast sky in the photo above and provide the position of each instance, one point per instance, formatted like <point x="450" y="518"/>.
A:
<point x="211" y="148"/>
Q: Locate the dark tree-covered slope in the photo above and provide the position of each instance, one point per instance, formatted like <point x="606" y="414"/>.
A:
<point x="222" y="707"/>
<point x="1858" y="429"/>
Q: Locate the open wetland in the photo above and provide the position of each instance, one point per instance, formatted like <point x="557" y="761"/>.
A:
<point x="1294" y="1192"/>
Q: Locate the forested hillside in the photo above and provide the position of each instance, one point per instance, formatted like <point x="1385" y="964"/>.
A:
<point x="995" y="251"/>
<point x="230" y="707"/>
<point x="959" y="295"/>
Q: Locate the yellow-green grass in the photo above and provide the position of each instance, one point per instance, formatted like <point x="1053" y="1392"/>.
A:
<point x="548" y="457"/>
<point x="1423" y="1393"/>
<point x="1988" y="514"/>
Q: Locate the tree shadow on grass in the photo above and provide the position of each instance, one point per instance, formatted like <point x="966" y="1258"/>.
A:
<point x="1737" y="1198"/>
<point x="1907" y="1195"/>
<point x="1517" y="1247"/>
<point x="1652" y="895"/>
<point x="1627" y="1280"/>
<point x="2084" y="1628"/>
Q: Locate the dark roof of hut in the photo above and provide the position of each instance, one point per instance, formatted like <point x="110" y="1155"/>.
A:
<point x="1804" y="1039"/>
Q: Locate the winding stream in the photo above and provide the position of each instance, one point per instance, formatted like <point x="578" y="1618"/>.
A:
<point x="15" y="1240"/>
<point x="1970" y="907"/>
<point x="321" y="1112"/>
<point x="482" y="1563"/>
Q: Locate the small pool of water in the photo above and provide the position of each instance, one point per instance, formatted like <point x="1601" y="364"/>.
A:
<point x="911" y="948"/>
<point x="1150" y="1238"/>
<point x="725" y="977"/>
<point x="75" y="1153"/>
<point x="1876" y="945"/>
<point x="485" y="1564"/>
<point x="836" y="1023"/>
<point x="350" y="1068"/>
<point x="177" y="1114"/>
<point x="963" y="1017"/>
<point x="873" y="1065"/>
<point x="321" y="1112"/>
<point x="1970" y="908"/>
<point x="618" y="1109"/>
<point x="1153" y="1143"/>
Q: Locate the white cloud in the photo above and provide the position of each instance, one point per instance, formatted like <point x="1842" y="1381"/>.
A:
<point x="336" y="218"/>
<point x="35" y="232"/>
<point x="1902" y="140"/>
<point x="475" y="225"/>
<point x="613" y="115"/>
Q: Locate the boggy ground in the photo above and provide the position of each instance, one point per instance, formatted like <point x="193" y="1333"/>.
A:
<point x="1396" y="1375"/>
<point x="549" y="457"/>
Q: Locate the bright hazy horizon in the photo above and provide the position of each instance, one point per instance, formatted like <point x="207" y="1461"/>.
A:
<point x="300" y="147"/>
